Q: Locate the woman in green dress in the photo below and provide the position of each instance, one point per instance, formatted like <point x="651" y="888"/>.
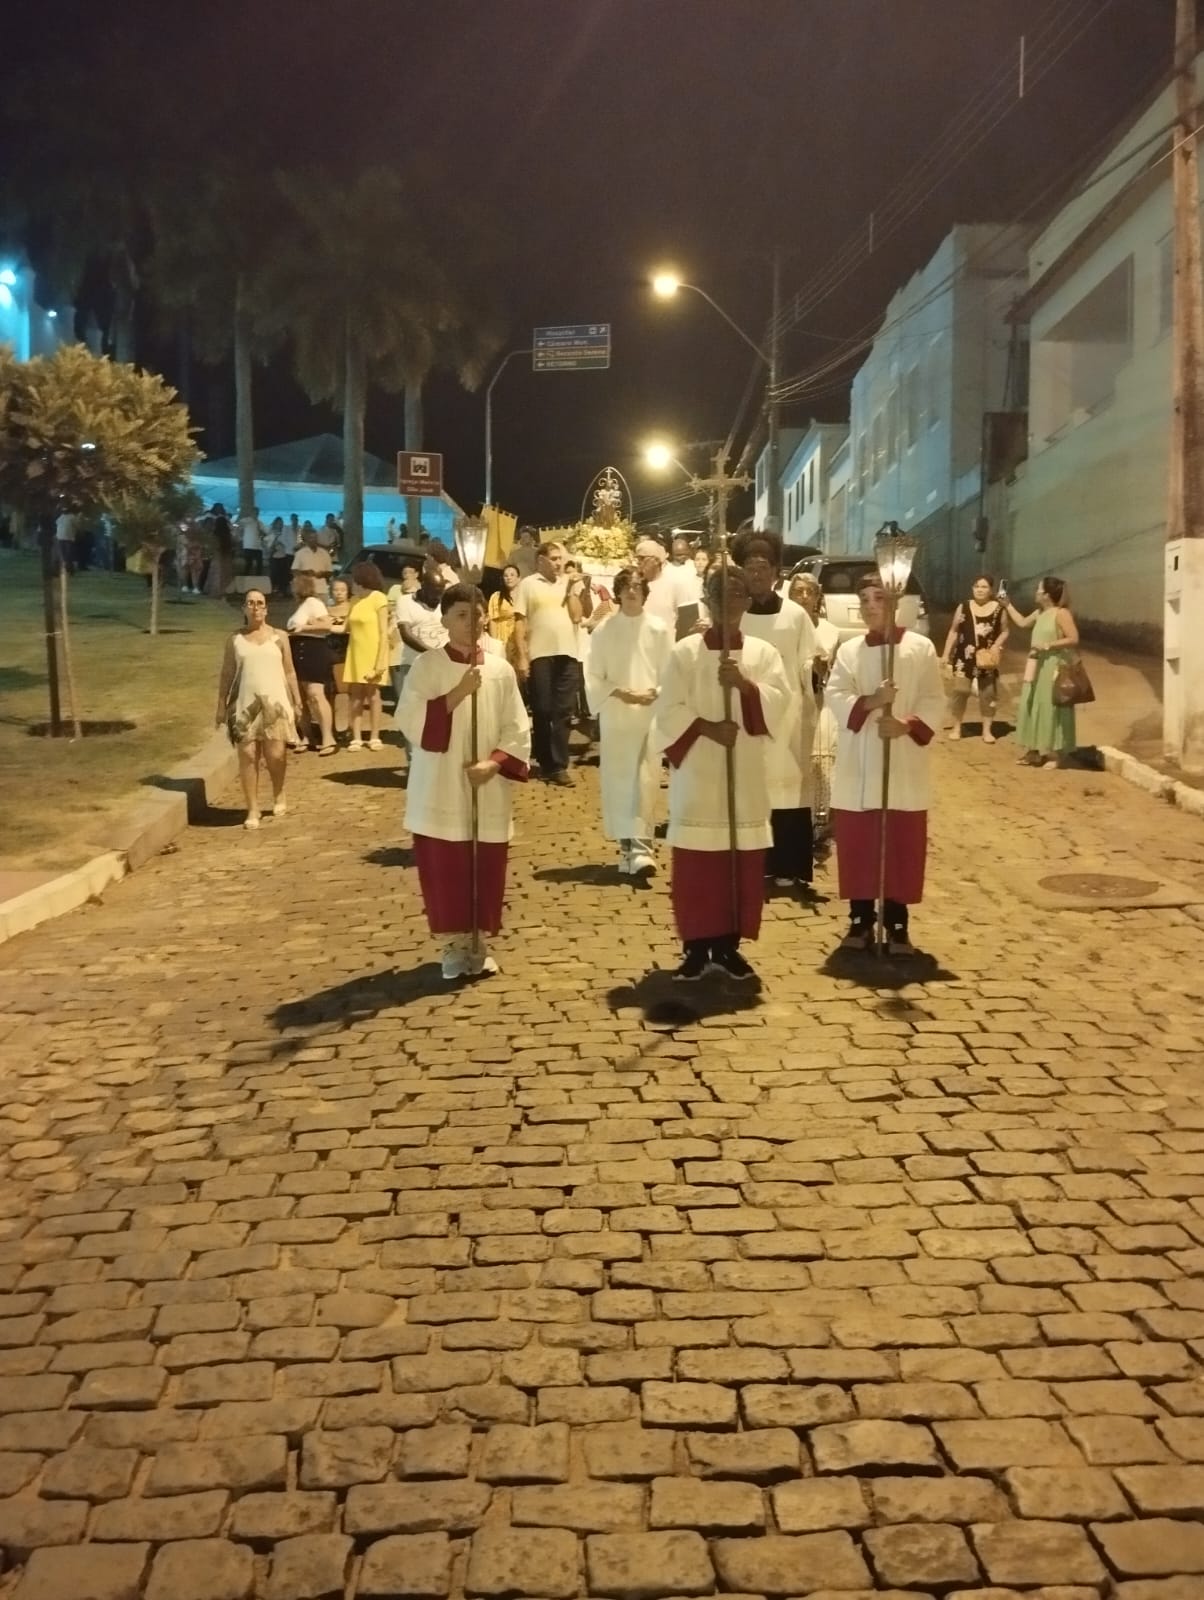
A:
<point x="1046" y="731"/>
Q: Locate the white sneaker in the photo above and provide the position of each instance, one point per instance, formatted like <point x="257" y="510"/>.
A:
<point x="376" y="744"/>
<point x="624" y="863"/>
<point x="455" y="963"/>
<point x="642" y="865"/>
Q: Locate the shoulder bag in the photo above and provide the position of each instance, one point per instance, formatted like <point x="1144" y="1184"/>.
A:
<point x="1071" y="685"/>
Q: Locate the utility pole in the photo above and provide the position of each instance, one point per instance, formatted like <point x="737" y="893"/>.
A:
<point x="773" y="461"/>
<point x="1183" y="648"/>
<point x="510" y="354"/>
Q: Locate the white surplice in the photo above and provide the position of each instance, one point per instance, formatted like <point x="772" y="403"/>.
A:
<point x="698" y="818"/>
<point x="792" y="634"/>
<point x="627" y="653"/>
<point x="438" y="794"/>
<point x="858" y="671"/>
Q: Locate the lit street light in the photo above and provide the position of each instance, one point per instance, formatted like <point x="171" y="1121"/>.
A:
<point x="665" y="286"/>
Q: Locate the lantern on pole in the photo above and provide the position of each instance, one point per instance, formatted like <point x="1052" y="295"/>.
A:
<point x="895" y="554"/>
<point x="471" y="536"/>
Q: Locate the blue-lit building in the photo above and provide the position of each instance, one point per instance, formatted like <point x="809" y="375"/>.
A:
<point x="31" y="329"/>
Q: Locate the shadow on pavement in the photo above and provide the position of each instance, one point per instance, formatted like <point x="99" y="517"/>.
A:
<point x="669" y="1005"/>
<point x="361" y="997"/>
<point x="219" y="817"/>
<point x="390" y="855"/>
<point x="369" y="778"/>
<point x="881" y="972"/>
<point x="585" y="873"/>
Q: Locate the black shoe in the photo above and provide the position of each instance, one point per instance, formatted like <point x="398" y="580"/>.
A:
<point x="730" y="962"/>
<point x="693" y="967"/>
<point x="859" y="937"/>
<point x="898" y="944"/>
<point x="562" y="780"/>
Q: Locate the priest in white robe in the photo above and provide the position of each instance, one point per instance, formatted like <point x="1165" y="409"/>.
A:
<point x="869" y="710"/>
<point x="623" y="670"/>
<point x="786" y="626"/>
<point x="435" y="714"/>
<point x="714" y="905"/>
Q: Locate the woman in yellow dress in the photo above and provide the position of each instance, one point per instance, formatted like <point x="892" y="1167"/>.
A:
<point x="367" y="652"/>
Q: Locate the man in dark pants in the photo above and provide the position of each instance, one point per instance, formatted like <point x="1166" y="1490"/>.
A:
<point x="546" y="618"/>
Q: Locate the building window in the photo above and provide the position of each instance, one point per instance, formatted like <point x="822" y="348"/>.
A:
<point x="911" y="406"/>
<point x="811" y="482"/>
<point x="761" y="476"/>
<point x="877" y="449"/>
<point x="1081" y="356"/>
<point x="836" y="519"/>
<point x="932" y="406"/>
<point x="862" y="467"/>
<point x="892" y="428"/>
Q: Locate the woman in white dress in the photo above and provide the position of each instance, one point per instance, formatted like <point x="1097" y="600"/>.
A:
<point x="258" y="703"/>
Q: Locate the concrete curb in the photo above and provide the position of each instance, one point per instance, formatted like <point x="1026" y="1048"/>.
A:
<point x="132" y="839"/>
<point x="1152" y="781"/>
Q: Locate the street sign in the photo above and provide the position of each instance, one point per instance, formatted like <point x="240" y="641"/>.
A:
<point x="419" y="472"/>
<point x="583" y="347"/>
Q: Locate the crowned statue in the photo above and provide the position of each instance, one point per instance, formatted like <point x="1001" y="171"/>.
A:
<point x="604" y="540"/>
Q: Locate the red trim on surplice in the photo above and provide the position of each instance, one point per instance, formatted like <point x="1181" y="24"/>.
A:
<point x="918" y="731"/>
<point x="858" y="841"/>
<point x="436" y="730"/>
<point x="677" y="752"/>
<point x="509" y="766"/>
<point x="700" y="883"/>
<point x="752" y="710"/>
<point x="861" y="710"/>
<point x="445" y="878"/>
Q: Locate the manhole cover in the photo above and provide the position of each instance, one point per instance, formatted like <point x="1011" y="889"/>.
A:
<point x="1100" y="885"/>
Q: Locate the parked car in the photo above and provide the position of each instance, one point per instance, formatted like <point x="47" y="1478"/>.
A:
<point x="390" y="558"/>
<point x="838" y="578"/>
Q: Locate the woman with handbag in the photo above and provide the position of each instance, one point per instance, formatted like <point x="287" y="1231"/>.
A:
<point x="1055" y="680"/>
<point x="973" y="650"/>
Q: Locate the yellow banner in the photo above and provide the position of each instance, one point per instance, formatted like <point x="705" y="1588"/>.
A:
<point x="500" y="540"/>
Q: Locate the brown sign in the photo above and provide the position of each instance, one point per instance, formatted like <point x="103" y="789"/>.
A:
<point x="419" y="472"/>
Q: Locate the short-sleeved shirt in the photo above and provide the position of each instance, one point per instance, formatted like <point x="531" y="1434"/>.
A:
<point x="424" y="622"/>
<point x="316" y="561"/>
<point x="550" y="629"/>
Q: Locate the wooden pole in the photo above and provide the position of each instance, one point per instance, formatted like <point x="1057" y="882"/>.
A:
<point x="474" y="739"/>
<point x="888" y="674"/>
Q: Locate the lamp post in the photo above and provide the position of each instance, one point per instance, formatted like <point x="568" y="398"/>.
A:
<point x="665" y="286"/>
<point x="510" y="354"/>
<point x="471" y="534"/>
<point x="895" y="553"/>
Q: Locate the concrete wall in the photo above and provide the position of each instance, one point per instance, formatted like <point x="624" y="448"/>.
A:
<point x="31" y="329"/>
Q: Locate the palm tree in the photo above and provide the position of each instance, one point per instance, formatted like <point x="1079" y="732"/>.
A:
<point x="208" y="259"/>
<point x="365" y="299"/>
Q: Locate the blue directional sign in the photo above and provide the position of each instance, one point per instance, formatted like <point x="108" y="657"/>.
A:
<point x="583" y="347"/>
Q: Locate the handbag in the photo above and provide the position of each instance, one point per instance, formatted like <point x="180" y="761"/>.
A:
<point x="987" y="660"/>
<point x="1071" y="685"/>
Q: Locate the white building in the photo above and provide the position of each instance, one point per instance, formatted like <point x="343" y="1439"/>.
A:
<point x="31" y="329"/>
<point x="1090" y="503"/>
<point x="945" y="356"/>
<point x="805" y="485"/>
<point x="788" y="439"/>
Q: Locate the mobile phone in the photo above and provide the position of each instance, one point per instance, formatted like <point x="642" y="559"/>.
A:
<point x="1002" y="590"/>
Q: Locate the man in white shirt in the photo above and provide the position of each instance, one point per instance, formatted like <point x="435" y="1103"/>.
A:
<point x="313" y="559"/>
<point x="685" y="572"/>
<point x="546" y="619"/>
<point x="419" y="619"/>
<point x="664" y="594"/>
<point x="252" y="532"/>
<point x="330" y="534"/>
<point x="283" y="549"/>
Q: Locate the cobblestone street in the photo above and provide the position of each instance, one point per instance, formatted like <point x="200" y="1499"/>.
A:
<point x="319" y="1280"/>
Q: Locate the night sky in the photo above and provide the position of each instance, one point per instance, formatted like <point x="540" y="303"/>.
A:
<point x="614" y="136"/>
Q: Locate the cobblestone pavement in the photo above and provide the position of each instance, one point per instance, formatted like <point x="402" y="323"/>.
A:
<point x="317" y="1280"/>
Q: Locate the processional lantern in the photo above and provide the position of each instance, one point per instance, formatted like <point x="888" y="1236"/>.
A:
<point x="895" y="553"/>
<point x="472" y="534"/>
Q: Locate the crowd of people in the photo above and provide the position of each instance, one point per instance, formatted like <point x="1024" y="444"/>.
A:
<point x="718" y="668"/>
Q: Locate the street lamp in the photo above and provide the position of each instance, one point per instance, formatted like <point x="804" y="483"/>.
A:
<point x="509" y="356"/>
<point x="665" y="286"/>
<point x="658" y="456"/>
<point x="895" y="554"/>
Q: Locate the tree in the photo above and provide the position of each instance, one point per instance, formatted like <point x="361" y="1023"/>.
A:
<point x="81" y="432"/>
<point x="366" y="299"/>
<point x="207" y="262"/>
<point x="149" y="525"/>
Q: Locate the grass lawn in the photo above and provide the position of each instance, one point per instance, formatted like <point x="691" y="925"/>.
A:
<point x="56" y="793"/>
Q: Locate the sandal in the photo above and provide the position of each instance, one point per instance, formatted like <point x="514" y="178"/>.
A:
<point x="327" y="749"/>
<point x="251" y="822"/>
